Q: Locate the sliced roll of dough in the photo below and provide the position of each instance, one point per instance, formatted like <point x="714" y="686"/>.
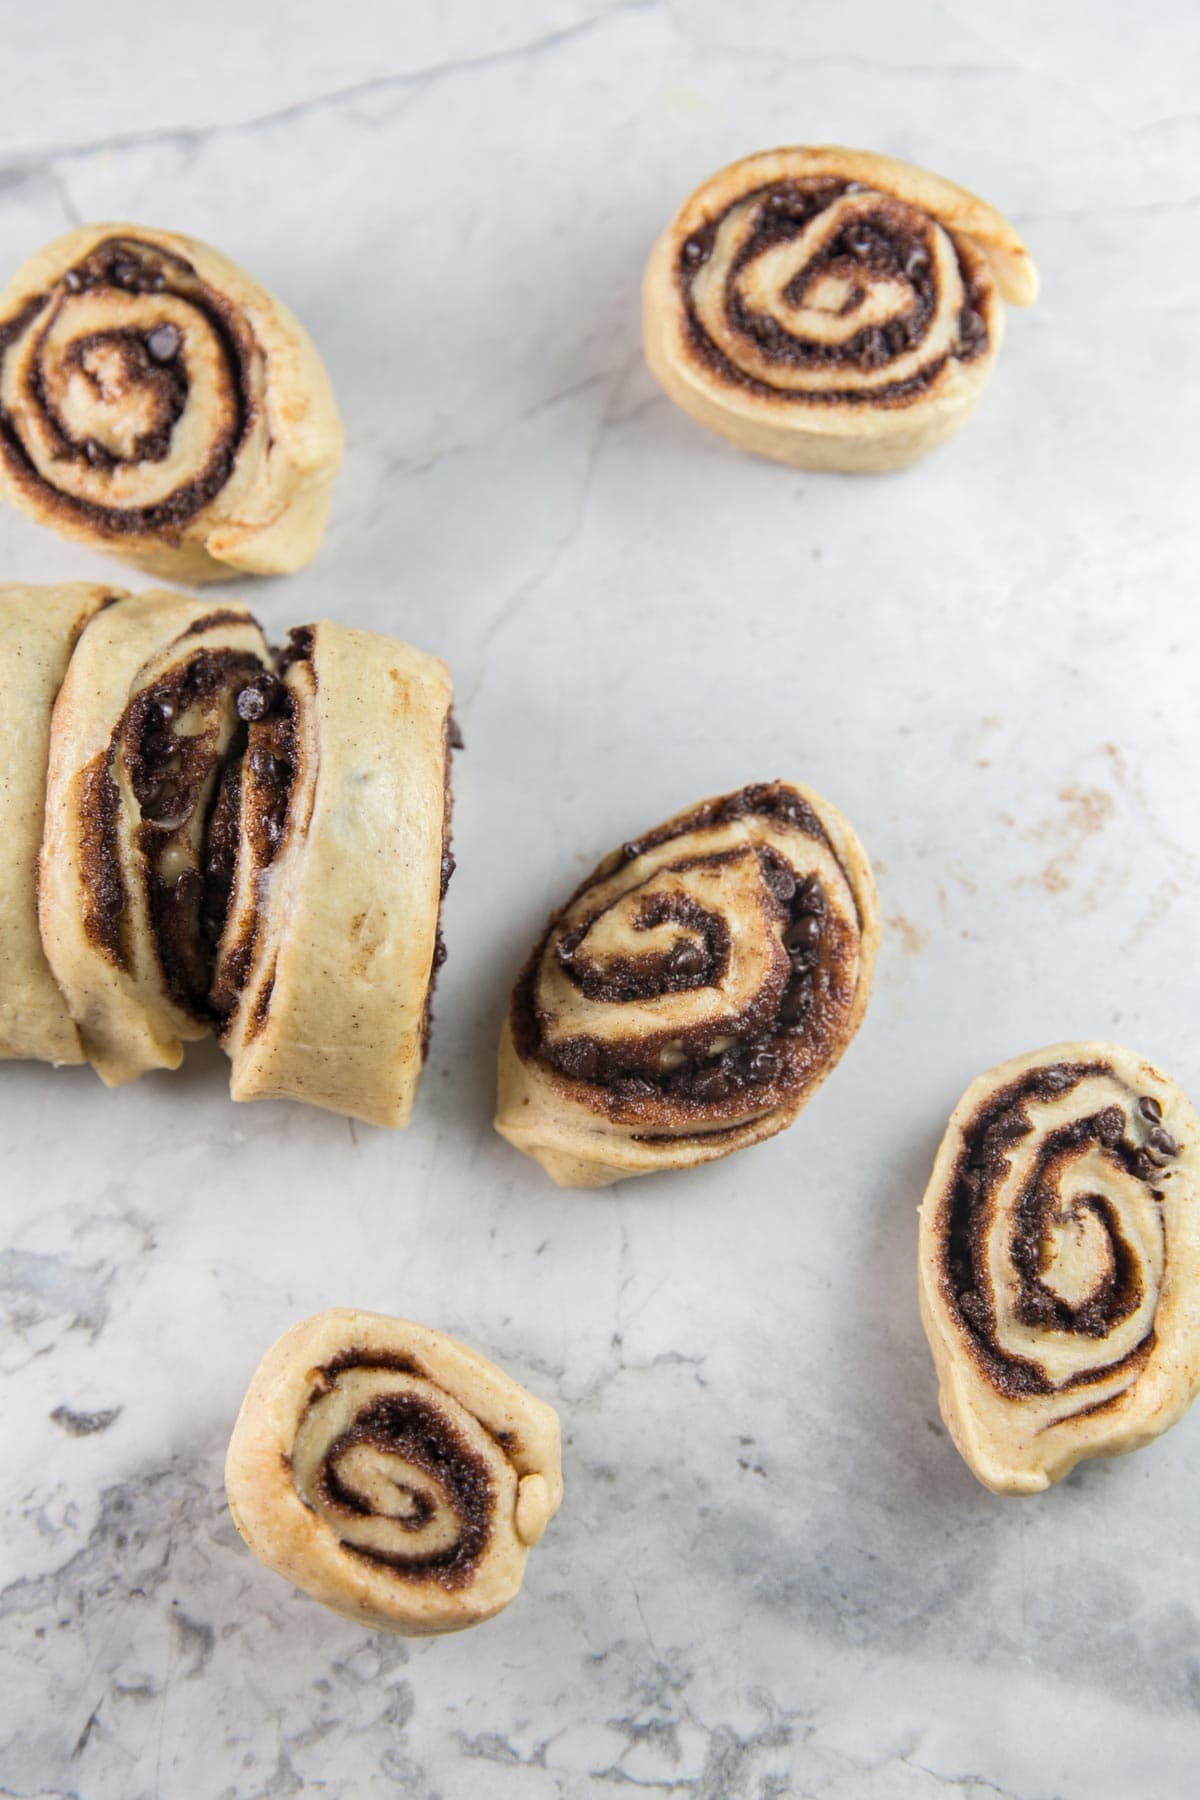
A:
<point x="145" y="716"/>
<point x="332" y="837"/>
<point x="831" y="308"/>
<point x="155" y="401"/>
<point x="38" y="630"/>
<point x="395" y="1475"/>
<point x="693" y="992"/>
<point x="1060" y="1263"/>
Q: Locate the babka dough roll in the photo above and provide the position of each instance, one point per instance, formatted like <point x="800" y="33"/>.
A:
<point x="831" y="308"/>
<point x="38" y="630"/>
<point x="1060" y="1263"/>
<point x="693" y="992"/>
<point x="157" y="402"/>
<point x="145" y="716"/>
<point x="334" y="831"/>
<point x="395" y="1475"/>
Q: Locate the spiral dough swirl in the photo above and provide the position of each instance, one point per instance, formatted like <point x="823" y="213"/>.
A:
<point x="694" y="990"/>
<point x="831" y="308"/>
<point x="391" y="1472"/>
<point x="815" y="289"/>
<point x="129" y="345"/>
<point x="394" y="1466"/>
<point x="1053" y="1249"/>
<point x="155" y="400"/>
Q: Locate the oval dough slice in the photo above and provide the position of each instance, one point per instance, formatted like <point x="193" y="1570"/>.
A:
<point x="693" y="992"/>
<point x="395" y="1475"/>
<point x="157" y="402"/>
<point x="1060" y="1263"/>
<point x="831" y="308"/>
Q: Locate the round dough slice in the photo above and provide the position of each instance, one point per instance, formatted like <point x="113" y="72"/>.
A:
<point x="392" y="1473"/>
<point x="831" y="308"/>
<point x="38" y="630"/>
<point x="1060" y="1263"/>
<point x="332" y="839"/>
<point x="693" y="992"/>
<point x="145" y="717"/>
<point x="158" y="403"/>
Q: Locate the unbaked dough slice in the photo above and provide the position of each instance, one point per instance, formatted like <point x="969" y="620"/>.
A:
<point x="144" y="719"/>
<point x="392" y="1473"/>
<point x="333" y="834"/>
<point x="1060" y="1263"/>
<point x="38" y="630"/>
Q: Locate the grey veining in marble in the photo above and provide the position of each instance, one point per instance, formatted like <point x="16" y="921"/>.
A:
<point x="771" y="1575"/>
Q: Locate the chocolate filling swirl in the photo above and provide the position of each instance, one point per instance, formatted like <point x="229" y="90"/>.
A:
<point x="101" y="376"/>
<point x="171" y="748"/>
<point x="384" y="1457"/>
<point x="811" y="289"/>
<point x="706" y="972"/>
<point x="1052" y="1236"/>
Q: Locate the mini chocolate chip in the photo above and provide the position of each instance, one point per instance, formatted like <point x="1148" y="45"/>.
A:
<point x="166" y="710"/>
<point x="449" y="864"/>
<point x="692" y="250"/>
<point x="158" y="282"/>
<point x="73" y="280"/>
<point x="712" y="1083"/>
<point x="1055" y="1081"/>
<point x="439" y="950"/>
<point x="861" y="242"/>
<point x="580" y="1059"/>
<point x="811" y="897"/>
<point x="632" y="849"/>
<point x="762" y="1065"/>
<point x="568" y="944"/>
<point x="168" y="806"/>
<point x="95" y="453"/>
<point x="687" y="958"/>
<point x="1149" y="1108"/>
<point x="263" y="764"/>
<point x="803" y="934"/>
<point x="454" y="736"/>
<point x="163" y="342"/>
<point x="918" y="262"/>
<point x="1162" y="1142"/>
<point x="251" y="704"/>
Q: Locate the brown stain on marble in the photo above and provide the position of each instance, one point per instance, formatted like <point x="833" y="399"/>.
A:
<point x="1084" y="814"/>
<point x="912" y="939"/>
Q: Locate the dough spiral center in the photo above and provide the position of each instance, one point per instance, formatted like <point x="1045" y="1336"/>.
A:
<point x="126" y="388"/>
<point x="399" y="1471"/>
<point x="819" y="290"/>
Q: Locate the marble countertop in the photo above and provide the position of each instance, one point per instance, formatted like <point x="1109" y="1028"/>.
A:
<point x="772" y="1574"/>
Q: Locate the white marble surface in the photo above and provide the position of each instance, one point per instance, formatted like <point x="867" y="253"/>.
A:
<point x="771" y="1575"/>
